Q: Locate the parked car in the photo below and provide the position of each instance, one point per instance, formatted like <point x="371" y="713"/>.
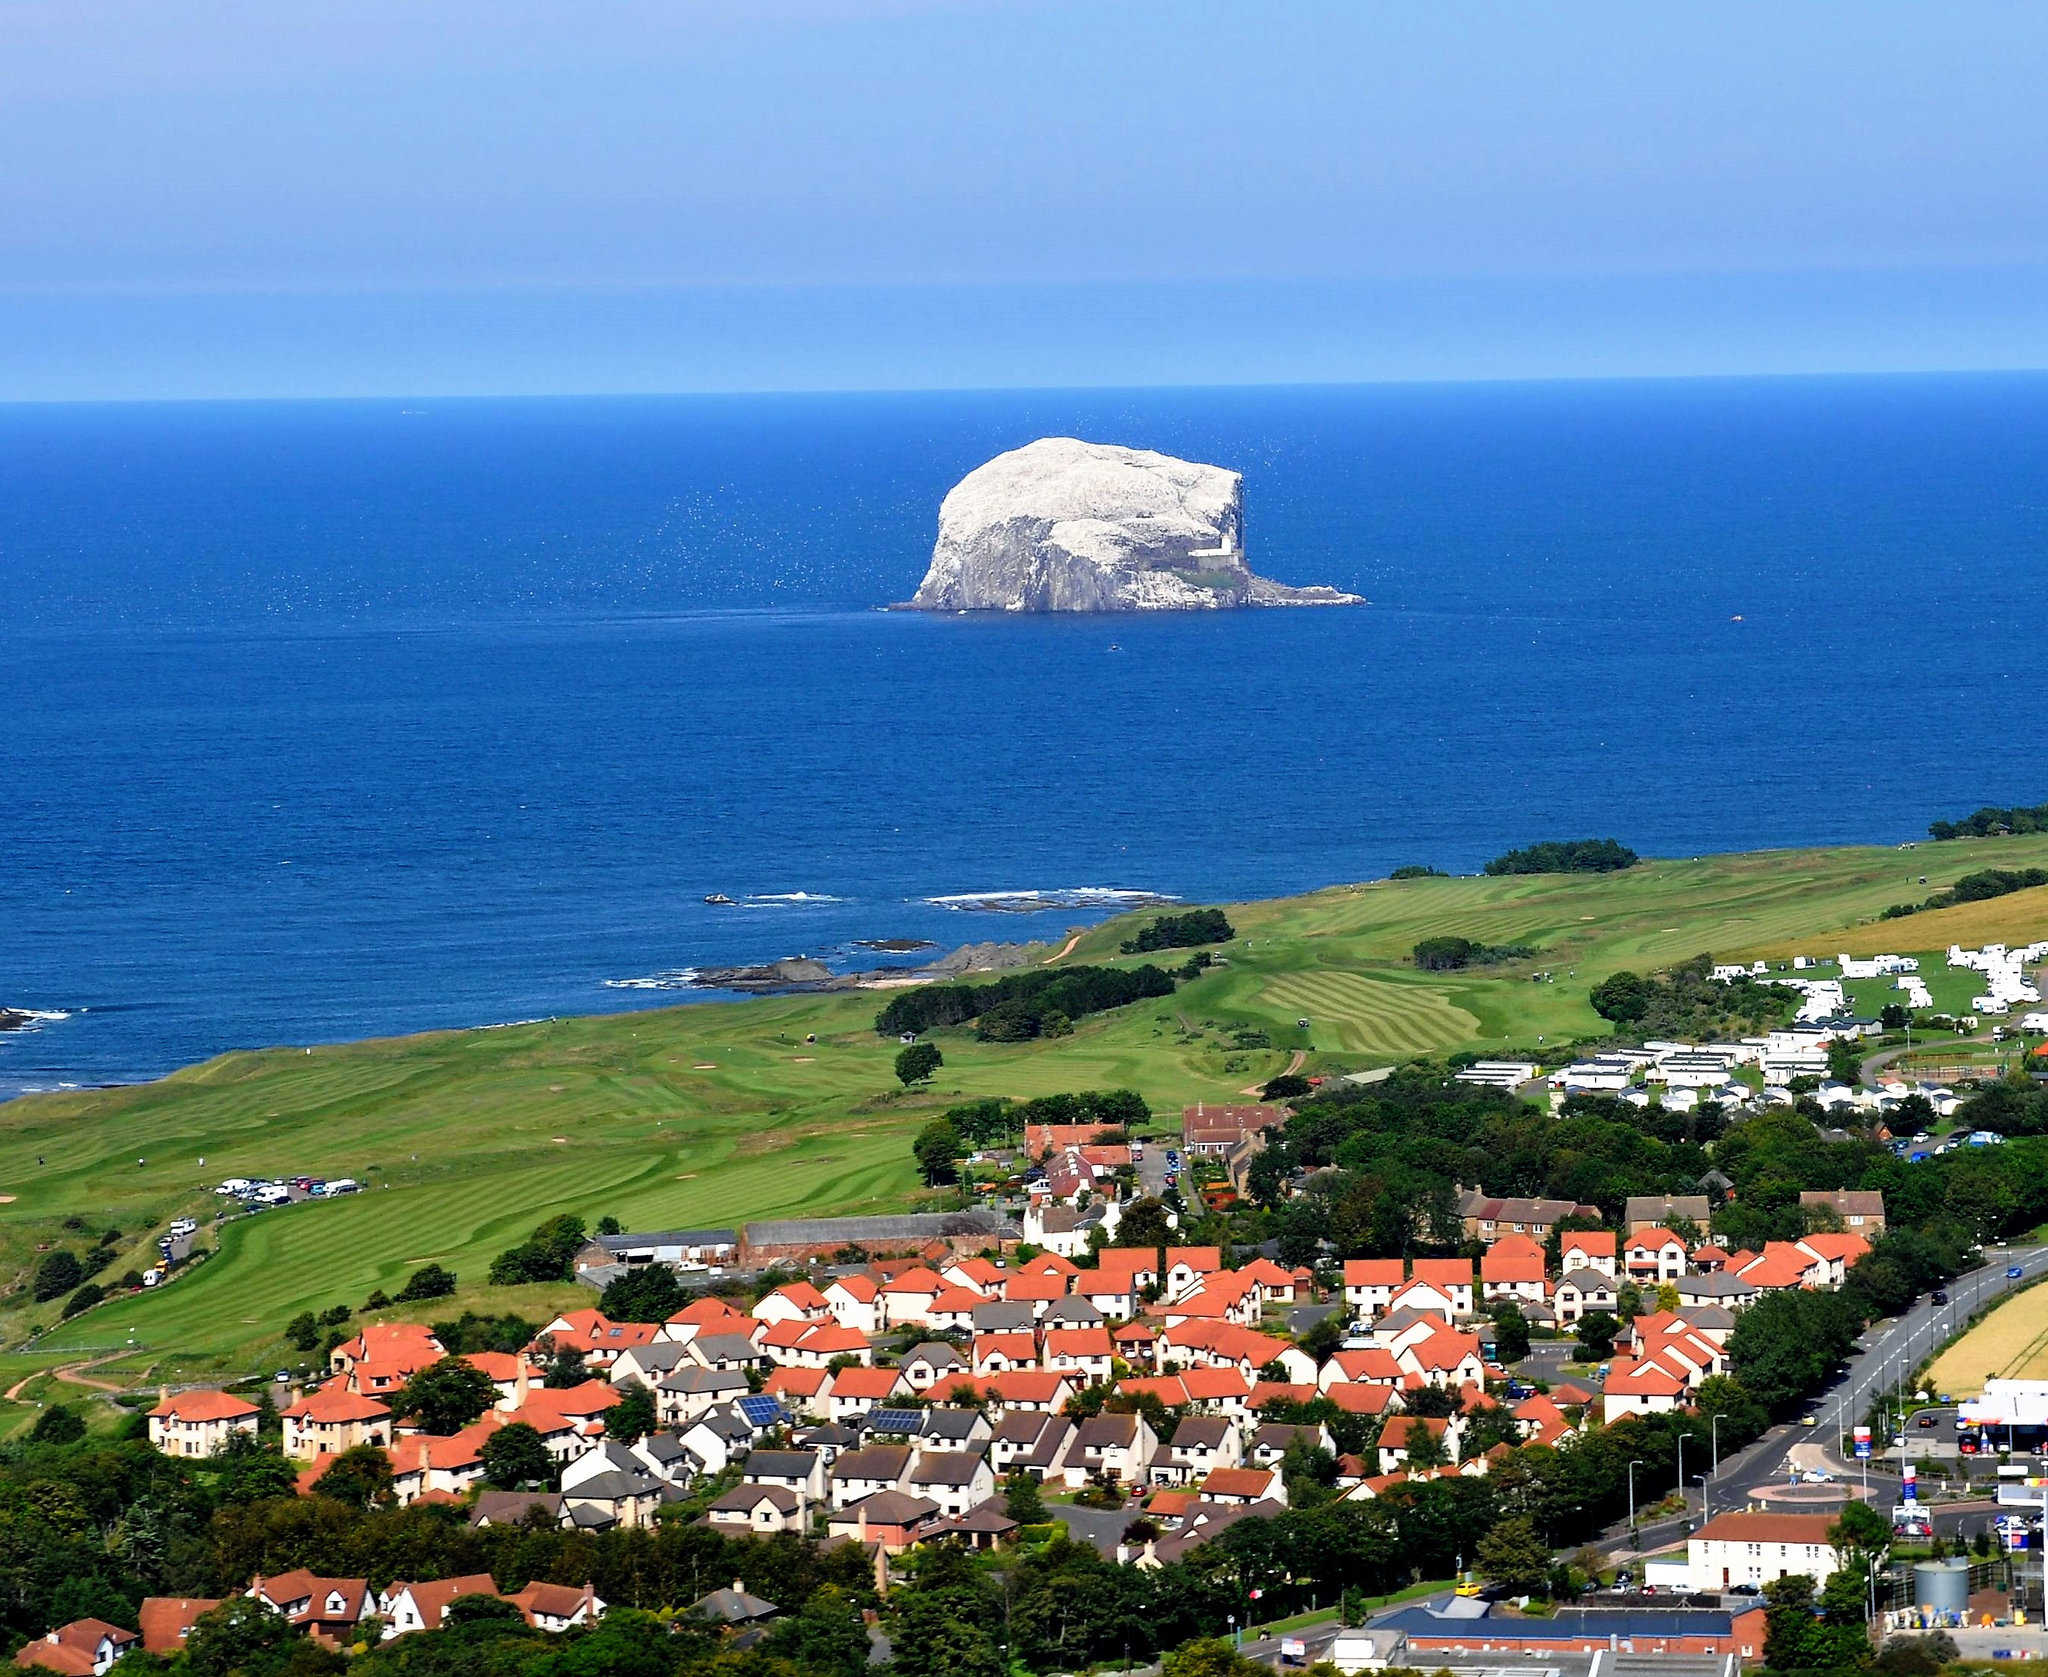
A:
<point x="1926" y="1418"/>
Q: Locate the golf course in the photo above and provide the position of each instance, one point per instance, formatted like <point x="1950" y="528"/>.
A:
<point x="713" y="1113"/>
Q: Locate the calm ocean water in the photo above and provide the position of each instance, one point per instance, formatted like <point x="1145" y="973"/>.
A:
<point x="329" y="720"/>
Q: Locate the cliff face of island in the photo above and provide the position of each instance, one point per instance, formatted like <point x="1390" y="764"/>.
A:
<point x="1064" y="525"/>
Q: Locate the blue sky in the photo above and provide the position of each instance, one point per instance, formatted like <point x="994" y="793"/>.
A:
<point x="243" y="198"/>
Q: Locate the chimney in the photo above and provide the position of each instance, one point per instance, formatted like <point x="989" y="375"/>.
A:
<point x="519" y="1385"/>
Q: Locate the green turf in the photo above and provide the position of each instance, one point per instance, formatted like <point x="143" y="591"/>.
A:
<point x="712" y="1114"/>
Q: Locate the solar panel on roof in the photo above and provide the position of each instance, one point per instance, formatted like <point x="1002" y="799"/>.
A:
<point x="761" y="1411"/>
<point x="895" y="1420"/>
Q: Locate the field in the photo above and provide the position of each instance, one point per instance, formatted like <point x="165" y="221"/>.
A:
<point x="711" y="1114"/>
<point x="2009" y="1344"/>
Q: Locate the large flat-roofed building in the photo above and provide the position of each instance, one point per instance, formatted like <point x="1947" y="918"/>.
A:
<point x="960" y="1232"/>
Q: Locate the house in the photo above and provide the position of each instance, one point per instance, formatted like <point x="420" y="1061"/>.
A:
<point x="1117" y="1448"/>
<point x="1860" y="1211"/>
<point x="1085" y="1353"/>
<point x="1271" y="1442"/>
<point x="1401" y="1438"/>
<point x="1445" y="1358"/>
<point x="1071" y="1312"/>
<point x="856" y="1302"/>
<point x="854" y="1391"/>
<point x="700" y="1314"/>
<point x="1419" y="1298"/>
<point x="327" y="1609"/>
<point x="83" y="1648"/>
<point x="1650" y="1211"/>
<point x="167" y="1621"/>
<point x="406" y="1608"/>
<point x="1487" y="1218"/>
<point x="1275" y="1285"/>
<point x="728" y="1352"/>
<point x="1199" y="1444"/>
<point x="444" y="1468"/>
<point x="861" y="1473"/>
<point x="613" y="1500"/>
<point x="691" y="1390"/>
<point x="1512" y="1268"/>
<point x="1241" y="1486"/>
<point x="1581" y="1291"/>
<point x="908" y="1297"/>
<point x="1028" y="1390"/>
<point x="512" y="1508"/>
<point x="998" y="1353"/>
<point x="1642" y="1387"/>
<point x="1728" y="1292"/>
<point x="396" y="1348"/>
<point x="1369" y="1365"/>
<point x="1113" y="1292"/>
<point x="198" y="1424"/>
<point x="1025" y="1442"/>
<point x="1451" y="1277"/>
<point x="1783" y="1264"/>
<point x="1756" y="1549"/>
<point x="596" y="1335"/>
<point x="1213" y="1131"/>
<point x="799" y="1301"/>
<point x="558" y="1607"/>
<point x="1038" y="1291"/>
<point x="732" y="1609"/>
<point x="894" y="1521"/>
<point x="933" y="1364"/>
<point x="1370" y="1283"/>
<point x="1655" y="1255"/>
<point x="758" y="1508"/>
<point x="821" y="1344"/>
<point x="506" y="1369"/>
<point x="331" y="1420"/>
<point x="1587" y="1249"/>
<point x="955" y="1429"/>
<point x="1840" y="1252"/>
<point x="1187" y="1267"/>
<point x="799" y="1390"/>
<point x="953" y="1310"/>
<point x="717" y="1436"/>
<point x="953" y="1480"/>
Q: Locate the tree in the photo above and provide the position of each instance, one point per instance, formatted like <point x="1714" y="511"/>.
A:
<point x="609" y="1225"/>
<point x="1623" y="998"/>
<point x="917" y="1062"/>
<point x="548" y="1254"/>
<point x="1210" y="1657"/>
<point x="1860" y="1536"/>
<point x="648" y="1293"/>
<point x="1512" y="1555"/>
<point x="252" y="1470"/>
<point x="632" y="1418"/>
<point x="59" y="1424"/>
<point x="482" y="1609"/>
<point x="429" y="1281"/>
<point x="937" y="1147"/>
<point x="1287" y="1086"/>
<point x="1510" y="1333"/>
<point x="1022" y="1500"/>
<point x="57" y="1274"/>
<point x="826" y="1637"/>
<point x="1143" y="1224"/>
<point x="938" y="1633"/>
<point x="514" y="1458"/>
<point x="566" y="1368"/>
<point x="1596" y="1335"/>
<point x="446" y="1396"/>
<point x="1845" y="1061"/>
<point x="241" y="1635"/>
<point x="360" y="1477"/>
<point x="1426" y="1447"/>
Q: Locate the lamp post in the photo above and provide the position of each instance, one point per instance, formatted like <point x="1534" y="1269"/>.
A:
<point x="1714" y="1435"/>
<point x="1681" y="1472"/>
<point x="1634" y="1537"/>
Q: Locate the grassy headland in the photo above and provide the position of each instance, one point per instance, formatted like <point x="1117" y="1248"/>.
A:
<point x="712" y="1114"/>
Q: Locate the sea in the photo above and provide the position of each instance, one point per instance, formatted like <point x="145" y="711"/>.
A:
<point x="325" y="720"/>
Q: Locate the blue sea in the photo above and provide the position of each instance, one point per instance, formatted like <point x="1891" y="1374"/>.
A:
<point x="327" y="720"/>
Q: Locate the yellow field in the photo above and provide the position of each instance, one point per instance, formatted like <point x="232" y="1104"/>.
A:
<point x="2009" y="1344"/>
<point x="2019" y="918"/>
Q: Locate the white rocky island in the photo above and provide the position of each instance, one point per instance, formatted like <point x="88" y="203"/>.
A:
<point x="1063" y="525"/>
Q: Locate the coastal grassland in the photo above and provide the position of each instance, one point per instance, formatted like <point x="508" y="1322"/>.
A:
<point x="712" y="1114"/>
<point x="2009" y="1344"/>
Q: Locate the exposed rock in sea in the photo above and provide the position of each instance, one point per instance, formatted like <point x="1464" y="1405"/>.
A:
<point x="1065" y="525"/>
<point x="11" y="1020"/>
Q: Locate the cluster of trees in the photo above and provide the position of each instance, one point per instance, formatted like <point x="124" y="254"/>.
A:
<point x="1182" y="931"/>
<point x="1415" y="870"/>
<point x="1988" y="822"/>
<point x="1687" y="1001"/>
<point x="548" y="1254"/>
<point x="1568" y="856"/>
<point x="1977" y="887"/>
<point x="1448" y="954"/>
<point x="1022" y="1005"/>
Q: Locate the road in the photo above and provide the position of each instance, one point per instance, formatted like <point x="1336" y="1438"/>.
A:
<point x="1888" y="1352"/>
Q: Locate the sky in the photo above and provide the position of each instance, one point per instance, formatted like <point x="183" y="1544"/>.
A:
<point x="439" y="196"/>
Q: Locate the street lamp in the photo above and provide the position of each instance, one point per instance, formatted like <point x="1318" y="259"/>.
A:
<point x="1714" y="1434"/>
<point x="1705" y="1496"/>
<point x="1681" y="1468"/>
<point x="1634" y="1536"/>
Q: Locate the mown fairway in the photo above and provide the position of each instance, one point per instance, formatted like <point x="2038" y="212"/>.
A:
<point x="713" y="1114"/>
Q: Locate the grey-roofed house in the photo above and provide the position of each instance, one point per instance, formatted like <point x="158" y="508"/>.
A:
<point x="1030" y="1442"/>
<point x="759" y="1508"/>
<point x="861" y="1473"/>
<point x="1072" y="1311"/>
<point x="1200" y="1442"/>
<point x="1728" y="1292"/>
<point x="1002" y="1316"/>
<point x="982" y="1527"/>
<point x="891" y="1520"/>
<point x="831" y="1440"/>
<point x="1273" y="1440"/>
<point x="666" y="1457"/>
<point x="890" y="1426"/>
<point x="733" y="1607"/>
<point x="932" y="1363"/>
<point x="954" y="1429"/>
<point x="717" y="1436"/>
<point x="800" y="1471"/>
<point x="688" y="1393"/>
<point x="956" y="1480"/>
<point x="727" y="1351"/>
<point x="609" y="1500"/>
<point x="647" y="1365"/>
<point x="1118" y="1447"/>
<point x="1650" y="1211"/>
<point x="515" y="1508"/>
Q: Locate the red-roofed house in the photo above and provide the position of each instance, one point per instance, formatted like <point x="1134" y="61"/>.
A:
<point x="998" y="1353"/>
<point x="1085" y="1353"/>
<point x="83" y="1648"/>
<point x="1035" y="1391"/>
<point x="854" y="1391"/>
<point x="199" y="1423"/>
<point x="856" y="1302"/>
<point x="1398" y="1438"/>
<point x="333" y="1419"/>
<point x="1655" y="1255"/>
<point x="799" y="1301"/>
<point x="166" y="1620"/>
<point x="1111" y="1291"/>
<point x="908" y="1297"/>
<point x="1512" y="1268"/>
<point x="1370" y="1283"/>
<point x="1450" y="1276"/>
<point x="409" y="1607"/>
<point x="1239" y="1485"/>
<point x="1587" y="1249"/>
<point x="1641" y="1388"/>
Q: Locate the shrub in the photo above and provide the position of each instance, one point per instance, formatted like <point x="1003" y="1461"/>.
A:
<point x="429" y="1281"/>
<point x="1572" y="856"/>
<point x="84" y="1299"/>
<point x="57" y="1274"/>
<point x="1182" y="931"/>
